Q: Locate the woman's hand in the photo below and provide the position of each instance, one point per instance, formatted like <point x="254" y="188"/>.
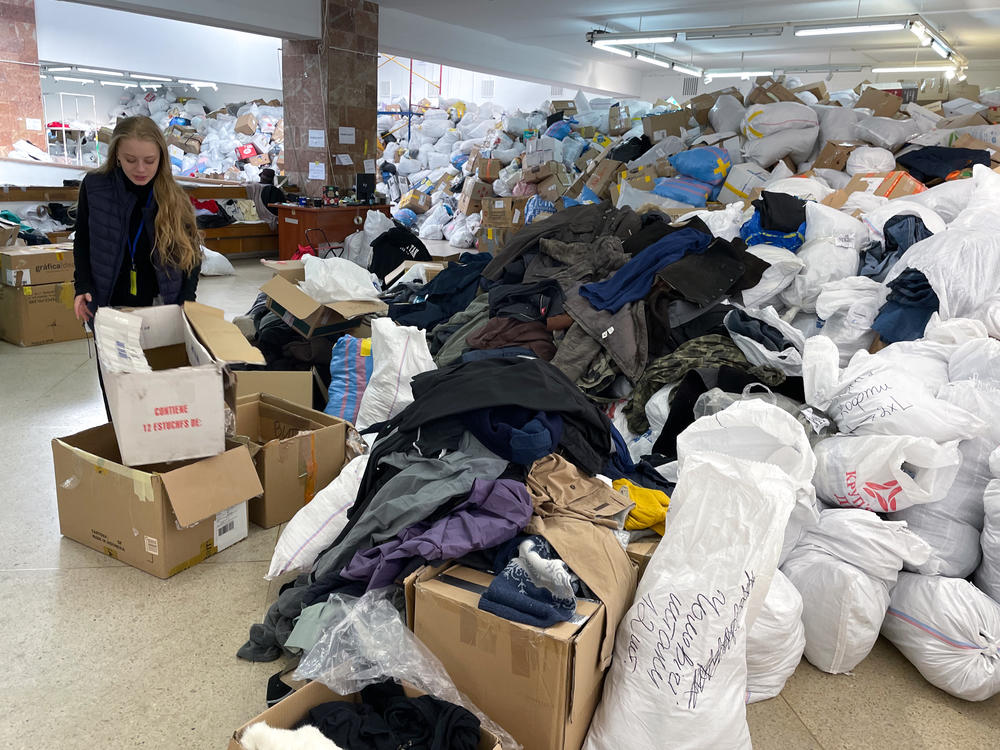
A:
<point x="80" y="308"/>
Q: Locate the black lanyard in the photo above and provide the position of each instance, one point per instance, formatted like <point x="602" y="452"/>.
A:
<point x="133" y="286"/>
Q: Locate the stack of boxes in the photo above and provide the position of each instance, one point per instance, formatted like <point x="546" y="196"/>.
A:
<point x="36" y="295"/>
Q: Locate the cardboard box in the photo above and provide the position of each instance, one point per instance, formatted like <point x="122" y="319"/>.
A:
<point x="962" y="121"/>
<point x="164" y="388"/>
<point x="641" y="552"/>
<point x="587" y="132"/>
<point x="603" y="175"/>
<point x="883" y="103"/>
<point x="246" y="124"/>
<point x="536" y="158"/>
<point x="504" y="213"/>
<point x="963" y="141"/>
<point x="566" y="106"/>
<point x="8" y="233"/>
<point x="619" y="120"/>
<point x="865" y="183"/>
<point x="311" y="318"/>
<point x="161" y="518"/>
<point x="817" y="89"/>
<point x="768" y="91"/>
<point x="488" y="170"/>
<point x="293" y="270"/>
<point x="542" y="685"/>
<point x="104" y="135"/>
<point x="39" y="314"/>
<point x="431" y="268"/>
<point x="658" y="127"/>
<point x="492" y="239"/>
<point x="279" y="132"/>
<point x="477" y="189"/>
<point x="641" y="179"/>
<point x="834" y="155"/>
<point x="297" y="452"/>
<point x="290" y="385"/>
<point x="702" y="104"/>
<point x="36" y="264"/>
<point x="468" y="205"/>
<point x="246" y="152"/>
<point x="540" y="172"/>
<point x="553" y="188"/>
<point x="584" y="161"/>
<point x="898" y="184"/>
<point x="190" y="144"/>
<point x="291" y="711"/>
<point x="416" y="201"/>
<point x="741" y="181"/>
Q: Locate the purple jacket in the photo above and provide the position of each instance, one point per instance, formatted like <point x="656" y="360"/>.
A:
<point x="495" y="511"/>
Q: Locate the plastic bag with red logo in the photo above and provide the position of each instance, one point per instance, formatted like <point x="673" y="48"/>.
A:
<point x="884" y="473"/>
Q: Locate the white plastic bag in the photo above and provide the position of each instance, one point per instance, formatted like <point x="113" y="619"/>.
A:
<point x="846" y="310"/>
<point x="977" y="360"/>
<point x="399" y="353"/>
<point x="725" y="224"/>
<point x="870" y="159"/>
<point x="796" y="144"/>
<point x="784" y="267"/>
<point x="875" y="396"/>
<point x="337" y="280"/>
<point x="433" y="223"/>
<point x="760" y="432"/>
<point x="775" y="641"/>
<point x="885" y="132"/>
<point x="680" y="669"/>
<point x="980" y="214"/>
<point x="950" y="631"/>
<point x="762" y="120"/>
<point x="376" y="224"/>
<point x="314" y="527"/>
<point x="789" y="360"/>
<point x="844" y="567"/>
<point x="836" y="123"/>
<point x="824" y="261"/>
<point x="215" y="264"/>
<point x="884" y="473"/>
<point x="726" y="114"/>
<point x="987" y="575"/>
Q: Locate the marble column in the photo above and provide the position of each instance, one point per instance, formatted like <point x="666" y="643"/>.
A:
<point x="330" y="85"/>
<point x="21" y="99"/>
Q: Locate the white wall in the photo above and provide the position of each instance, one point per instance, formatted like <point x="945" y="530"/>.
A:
<point x="101" y="38"/>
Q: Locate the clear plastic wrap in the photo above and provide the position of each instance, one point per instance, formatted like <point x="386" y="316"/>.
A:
<point x="372" y="644"/>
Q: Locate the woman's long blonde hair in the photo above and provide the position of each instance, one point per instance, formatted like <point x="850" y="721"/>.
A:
<point x="177" y="239"/>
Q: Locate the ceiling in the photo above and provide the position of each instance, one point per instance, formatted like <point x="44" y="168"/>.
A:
<point x="972" y="28"/>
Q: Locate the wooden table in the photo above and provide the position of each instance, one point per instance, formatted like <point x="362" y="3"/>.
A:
<point x="337" y="222"/>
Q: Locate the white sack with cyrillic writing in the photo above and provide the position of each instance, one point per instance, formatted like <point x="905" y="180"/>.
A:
<point x="679" y="674"/>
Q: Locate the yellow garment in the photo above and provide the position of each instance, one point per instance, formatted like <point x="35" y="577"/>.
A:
<point x="650" y="511"/>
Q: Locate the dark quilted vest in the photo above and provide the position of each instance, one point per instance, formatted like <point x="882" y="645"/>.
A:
<point x="110" y="205"/>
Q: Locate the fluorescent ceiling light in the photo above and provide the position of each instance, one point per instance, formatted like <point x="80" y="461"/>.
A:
<point x="855" y="29"/>
<point x="686" y="70"/>
<point x="614" y="50"/>
<point x="654" y="60"/>
<point x="59" y="70"/>
<point x="122" y="84"/>
<point x="949" y="74"/>
<point x="71" y="79"/>
<point x="95" y="71"/>
<point x="914" y="69"/>
<point x="940" y="49"/>
<point x="733" y="32"/>
<point x="199" y="84"/>
<point x="602" y="39"/>
<point x="149" y="78"/>
<point x="149" y="85"/>
<point x="920" y="32"/>
<point x="738" y="73"/>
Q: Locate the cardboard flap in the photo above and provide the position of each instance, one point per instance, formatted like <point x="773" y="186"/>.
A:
<point x="356" y="308"/>
<point x="223" y="339"/>
<point x="203" y="488"/>
<point x="290" y="297"/>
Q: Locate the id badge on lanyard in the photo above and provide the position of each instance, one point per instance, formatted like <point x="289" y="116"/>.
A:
<point x="133" y="280"/>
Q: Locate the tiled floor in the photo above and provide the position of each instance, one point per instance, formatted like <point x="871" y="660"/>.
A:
<point x="100" y="655"/>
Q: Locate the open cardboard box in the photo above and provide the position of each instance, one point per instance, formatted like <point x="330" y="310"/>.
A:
<point x="541" y="685"/>
<point x="161" y="518"/>
<point x="311" y="318"/>
<point x="297" y="452"/>
<point x="292" y="710"/>
<point x="39" y="314"/>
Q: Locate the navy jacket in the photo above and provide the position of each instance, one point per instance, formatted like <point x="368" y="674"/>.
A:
<point x="105" y="208"/>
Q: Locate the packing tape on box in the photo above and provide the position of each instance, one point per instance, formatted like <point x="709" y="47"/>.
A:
<point x="524" y="652"/>
<point x="307" y="468"/>
<point x="142" y="483"/>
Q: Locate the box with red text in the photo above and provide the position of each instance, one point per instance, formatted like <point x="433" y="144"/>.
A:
<point x="164" y="387"/>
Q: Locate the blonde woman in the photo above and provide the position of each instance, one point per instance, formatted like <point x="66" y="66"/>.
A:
<point x="136" y="239"/>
